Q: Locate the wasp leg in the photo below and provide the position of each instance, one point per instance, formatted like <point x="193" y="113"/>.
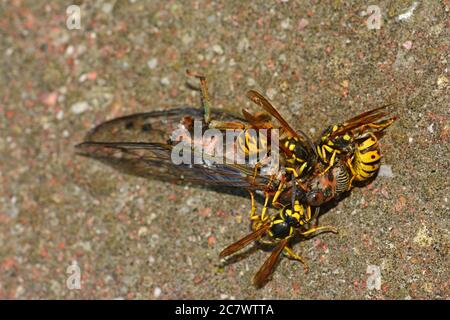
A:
<point x="321" y="229"/>
<point x="301" y="169"/>
<point x="293" y="171"/>
<point x="349" y="164"/>
<point x="204" y="94"/>
<point x="291" y="254"/>
<point x="261" y="218"/>
<point x="381" y="125"/>
<point x="264" y="209"/>
<point x="268" y="186"/>
<point x="315" y="217"/>
<point x="280" y="190"/>
<point x="252" y="213"/>
<point x="333" y="157"/>
<point x="258" y="219"/>
<point x="266" y="242"/>
<point x="266" y="201"/>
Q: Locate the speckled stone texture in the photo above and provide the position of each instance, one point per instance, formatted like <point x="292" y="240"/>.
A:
<point x="142" y="239"/>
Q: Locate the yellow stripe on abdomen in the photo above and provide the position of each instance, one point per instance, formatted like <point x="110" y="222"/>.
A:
<point x="367" y="159"/>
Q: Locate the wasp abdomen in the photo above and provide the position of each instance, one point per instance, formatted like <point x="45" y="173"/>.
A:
<point x="366" y="161"/>
<point x="251" y="142"/>
<point x="342" y="175"/>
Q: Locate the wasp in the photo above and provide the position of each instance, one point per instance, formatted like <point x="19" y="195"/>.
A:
<point x="348" y="152"/>
<point x="279" y="230"/>
<point x="297" y="148"/>
<point x="357" y="139"/>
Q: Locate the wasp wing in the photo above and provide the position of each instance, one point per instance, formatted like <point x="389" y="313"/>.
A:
<point x="371" y="117"/>
<point x="260" y="100"/>
<point x="245" y="241"/>
<point x="266" y="269"/>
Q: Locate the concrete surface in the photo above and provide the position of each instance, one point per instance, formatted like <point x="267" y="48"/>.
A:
<point x="142" y="239"/>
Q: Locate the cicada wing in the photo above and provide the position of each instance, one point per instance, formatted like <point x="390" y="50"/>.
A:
<point x="153" y="127"/>
<point x="154" y="160"/>
<point x="142" y="144"/>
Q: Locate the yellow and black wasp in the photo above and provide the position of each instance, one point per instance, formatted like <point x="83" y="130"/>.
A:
<point x="279" y="230"/>
<point x="357" y="139"/>
<point x="348" y="152"/>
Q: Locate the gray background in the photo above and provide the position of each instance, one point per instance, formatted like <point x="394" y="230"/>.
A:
<point x="136" y="238"/>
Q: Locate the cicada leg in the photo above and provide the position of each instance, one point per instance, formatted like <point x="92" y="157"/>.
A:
<point x="258" y="165"/>
<point x="203" y="93"/>
<point x="206" y="105"/>
<point x="221" y="125"/>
